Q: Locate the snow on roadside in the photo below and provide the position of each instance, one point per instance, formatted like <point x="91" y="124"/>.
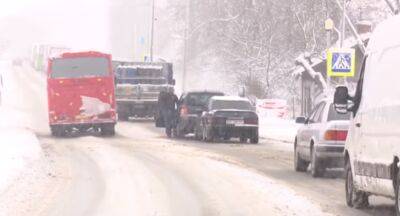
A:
<point x="19" y="146"/>
<point x="278" y="129"/>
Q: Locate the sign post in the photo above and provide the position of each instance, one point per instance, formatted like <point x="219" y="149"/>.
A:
<point x="341" y="62"/>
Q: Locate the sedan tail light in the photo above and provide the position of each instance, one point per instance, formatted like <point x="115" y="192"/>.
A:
<point x="184" y="110"/>
<point x="336" y="135"/>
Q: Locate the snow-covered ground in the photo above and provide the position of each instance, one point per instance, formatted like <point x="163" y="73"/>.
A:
<point x="278" y="128"/>
<point x="19" y="145"/>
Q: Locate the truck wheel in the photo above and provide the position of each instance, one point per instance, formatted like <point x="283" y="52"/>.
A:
<point x="243" y="139"/>
<point x="316" y="167"/>
<point x="300" y="165"/>
<point x="254" y="140"/>
<point x="354" y="198"/>
<point x="108" y="130"/>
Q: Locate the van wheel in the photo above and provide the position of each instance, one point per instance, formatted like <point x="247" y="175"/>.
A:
<point x="243" y="139"/>
<point x="300" y="165"/>
<point x="354" y="198"/>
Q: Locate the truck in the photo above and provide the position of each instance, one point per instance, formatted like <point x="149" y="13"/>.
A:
<point x="41" y="53"/>
<point x="81" y="94"/>
<point x="138" y="85"/>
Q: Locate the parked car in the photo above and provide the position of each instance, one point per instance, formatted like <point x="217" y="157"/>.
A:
<point x="320" y="141"/>
<point x="372" y="150"/>
<point x="191" y="106"/>
<point x="229" y="117"/>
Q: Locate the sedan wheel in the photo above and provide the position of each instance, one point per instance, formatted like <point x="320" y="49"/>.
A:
<point x="300" y="165"/>
<point x="316" y="167"/>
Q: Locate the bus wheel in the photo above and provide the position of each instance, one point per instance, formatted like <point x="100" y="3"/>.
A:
<point x="108" y="130"/>
<point x="57" y="131"/>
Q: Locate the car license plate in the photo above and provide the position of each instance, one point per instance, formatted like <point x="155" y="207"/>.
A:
<point x="234" y="121"/>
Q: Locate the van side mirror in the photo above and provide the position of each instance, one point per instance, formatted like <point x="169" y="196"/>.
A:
<point x="173" y="82"/>
<point x="301" y="120"/>
<point x="341" y="98"/>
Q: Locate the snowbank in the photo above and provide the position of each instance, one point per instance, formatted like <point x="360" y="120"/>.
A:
<point x="19" y="146"/>
<point x="278" y="129"/>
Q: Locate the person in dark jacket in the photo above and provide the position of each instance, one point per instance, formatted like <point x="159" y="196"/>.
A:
<point x="167" y="103"/>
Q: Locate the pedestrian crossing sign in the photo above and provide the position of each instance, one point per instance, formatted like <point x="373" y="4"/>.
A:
<point x="341" y="62"/>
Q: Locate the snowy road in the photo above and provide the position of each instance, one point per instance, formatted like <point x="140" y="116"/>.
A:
<point x="141" y="172"/>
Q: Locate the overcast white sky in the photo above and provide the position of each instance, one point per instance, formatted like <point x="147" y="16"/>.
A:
<point x="79" y="24"/>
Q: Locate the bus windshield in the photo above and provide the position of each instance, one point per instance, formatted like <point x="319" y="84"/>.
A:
<point x="79" y="67"/>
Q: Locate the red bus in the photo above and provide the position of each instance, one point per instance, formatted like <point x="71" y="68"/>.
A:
<point x="81" y="97"/>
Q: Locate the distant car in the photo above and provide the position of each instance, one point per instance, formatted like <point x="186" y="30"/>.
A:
<point x="229" y="117"/>
<point x="191" y="106"/>
<point x="320" y="141"/>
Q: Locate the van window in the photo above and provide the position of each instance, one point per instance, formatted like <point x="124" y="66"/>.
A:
<point x="79" y="67"/>
<point x="381" y="79"/>
<point x="359" y="88"/>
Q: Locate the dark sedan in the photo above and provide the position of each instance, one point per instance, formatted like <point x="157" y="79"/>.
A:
<point x="229" y="117"/>
<point x="191" y="106"/>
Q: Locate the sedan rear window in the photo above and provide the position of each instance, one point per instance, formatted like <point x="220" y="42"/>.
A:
<point x="335" y="116"/>
<point x="237" y="105"/>
<point x="80" y="67"/>
<point x="200" y="99"/>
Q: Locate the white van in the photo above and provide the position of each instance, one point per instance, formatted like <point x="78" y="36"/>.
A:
<point x="372" y="150"/>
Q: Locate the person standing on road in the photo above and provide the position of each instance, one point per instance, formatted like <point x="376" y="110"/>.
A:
<point x="167" y="103"/>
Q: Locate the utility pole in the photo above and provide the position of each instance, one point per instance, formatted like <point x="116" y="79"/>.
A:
<point x="185" y="46"/>
<point x="328" y="37"/>
<point x="343" y="24"/>
<point x="152" y="31"/>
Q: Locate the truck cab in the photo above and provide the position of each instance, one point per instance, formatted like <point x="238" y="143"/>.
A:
<point x="81" y="93"/>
